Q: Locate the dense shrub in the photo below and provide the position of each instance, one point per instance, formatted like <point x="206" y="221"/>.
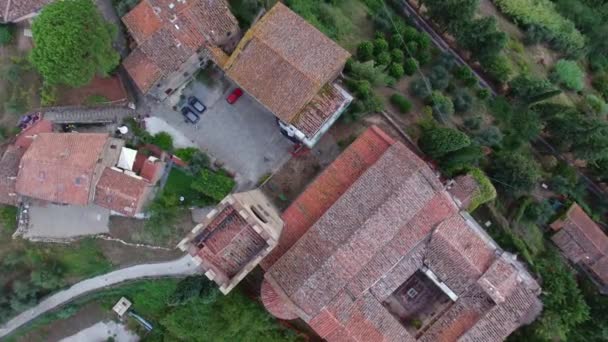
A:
<point x="439" y="141"/>
<point x="370" y="72"/>
<point x="595" y="105"/>
<point x="486" y="191"/>
<point x="362" y="89"/>
<point x="463" y="101"/>
<point x="214" y="185"/>
<point x="461" y="160"/>
<point x="420" y="89"/>
<point x="439" y="77"/>
<point x="401" y="102"/>
<point x="473" y="123"/>
<point x="163" y="140"/>
<point x="568" y="74"/>
<point x="600" y="83"/>
<point x="6" y="34"/>
<point x="497" y="67"/>
<point x="483" y="93"/>
<point x="365" y="51"/>
<point x="491" y="136"/>
<point x="467" y="76"/>
<point x="383" y="58"/>
<point x="515" y="172"/>
<point x="543" y="17"/>
<point x="526" y="86"/>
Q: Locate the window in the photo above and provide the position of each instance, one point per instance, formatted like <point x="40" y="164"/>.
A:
<point x="78" y="181"/>
<point x="258" y="214"/>
<point x="412" y="293"/>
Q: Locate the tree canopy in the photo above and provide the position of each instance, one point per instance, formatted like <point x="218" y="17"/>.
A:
<point x="72" y="43"/>
<point x="439" y="141"/>
<point x="515" y="172"/>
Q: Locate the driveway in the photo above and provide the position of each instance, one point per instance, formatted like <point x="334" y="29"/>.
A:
<point x="57" y="222"/>
<point x="243" y="136"/>
<point x="181" y="267"/>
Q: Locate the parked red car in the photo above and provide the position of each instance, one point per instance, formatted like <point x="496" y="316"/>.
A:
<point x="236" y="93"/>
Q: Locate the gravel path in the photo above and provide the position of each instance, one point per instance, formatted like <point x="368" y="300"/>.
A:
<point x="179" y="267"/>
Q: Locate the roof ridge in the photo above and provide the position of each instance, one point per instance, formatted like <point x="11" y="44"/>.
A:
<point x="8" y="6"/>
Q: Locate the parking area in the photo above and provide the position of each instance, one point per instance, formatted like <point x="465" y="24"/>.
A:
<point x="243" y="136"/>
<point x="57" y="222"/>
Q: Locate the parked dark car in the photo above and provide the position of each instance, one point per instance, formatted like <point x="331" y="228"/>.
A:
<point x="196" y="104"/>
<point x="190" y="115"/>
<point x="236" y="93"/>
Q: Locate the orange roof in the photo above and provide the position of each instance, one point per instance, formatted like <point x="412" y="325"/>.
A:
<point x="25" y="138"/>
<point x="142" y="70"/>
<point x="141" y="21"/>
<point x="169" y="32"/>
<point x="283" y="62"/>
<point x="59" y="167"/>
<point x="328" y="187"/>
<point x="121" y="192"/>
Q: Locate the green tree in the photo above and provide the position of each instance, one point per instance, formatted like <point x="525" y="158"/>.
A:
<point x="525" y="87"/>
<point x="490" y="136"/>
<point x="396" y="70"/>
<point x="450" y="14"/>
<point x="442" y="105"/>
<point x="497" y="67"/>
<point x="383" y="58"/>
<point x="164" y="211"/>
<point x="515" y="172"/>
<point x="397" y="56"/>
<point x="481" y="37"/>
<point x="380" y="45"/>
<point x="463" y="101"/>
<point x="439" y="141"/>
<point x="370" y="72"/>
<point x="410" y="66"/>
<point x="461" y="159"/>
<point x="72" y="42"/>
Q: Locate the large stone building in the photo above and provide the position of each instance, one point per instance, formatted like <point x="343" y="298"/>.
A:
<point x="584" y="243"/>
<point x="76" y="169"/>
<point x="376" y="250"/>
<point x="14" y="11"/>
<point x="234" y="237"/>
<point x="290" y="67"/>
<point x="174" y="39"/>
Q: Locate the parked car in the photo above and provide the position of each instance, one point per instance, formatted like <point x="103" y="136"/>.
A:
<point x="196" y="104"/>
<point x="287" y="131"/>
<point x="190" y="115"/>
<point x="236" y="93"/>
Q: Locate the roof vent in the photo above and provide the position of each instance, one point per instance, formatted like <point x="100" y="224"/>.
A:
<point x="177" y="27"/>
<point x="156" y="9"/>
<point x="171" y="5"/>
<point x="173" y="18"/>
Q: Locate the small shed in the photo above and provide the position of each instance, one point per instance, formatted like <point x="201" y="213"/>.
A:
<point x="122" y="306"/>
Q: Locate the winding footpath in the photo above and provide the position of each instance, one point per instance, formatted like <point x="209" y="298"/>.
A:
<point x="180" y="267"/>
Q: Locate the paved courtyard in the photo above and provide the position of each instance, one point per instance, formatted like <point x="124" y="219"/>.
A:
<point x="244" y="136"/>
<point x="57" y="222"/>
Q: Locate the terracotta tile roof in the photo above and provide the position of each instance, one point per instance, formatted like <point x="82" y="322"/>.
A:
<point x="25" y="138"/>
<point x="319" y="110"/>
<point x="228" y="243"/>
<point x="12" y="10"/>
<point x="169" y="32"/>
<point x="392" y="221"/>
<point x="59" y="167"/>
<point x="152" y="170"/>
<point x="273" y="302"/>
<point x="582" y="241"/>
<point x="121" y="192"/>
<point x="283" y="62"/>
<point x="327" y="188"/>
<point x="9" y="168"/>
<point x="464" y="189"/>
<point x="142" y="21"/>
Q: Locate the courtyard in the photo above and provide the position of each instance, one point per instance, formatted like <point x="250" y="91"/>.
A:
<point x="243" y="137"/>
